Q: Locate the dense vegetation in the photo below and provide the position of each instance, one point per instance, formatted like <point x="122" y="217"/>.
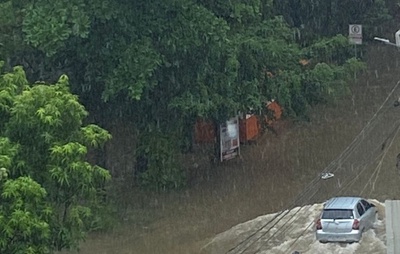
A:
<point x="159" y="65"/>
<point x="48" y="190"/>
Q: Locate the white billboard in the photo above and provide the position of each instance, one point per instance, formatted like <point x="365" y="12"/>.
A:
<point x="229" y="139"/>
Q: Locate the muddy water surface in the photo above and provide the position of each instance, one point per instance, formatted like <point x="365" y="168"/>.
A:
<point x="270" y="173"/>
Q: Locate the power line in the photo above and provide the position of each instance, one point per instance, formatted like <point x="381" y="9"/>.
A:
<point x="350" y="182"/>
<point x="301" y="195"/>
<point x="345" y="154"/>
<point x="378" y="168"/>
<point x="292" y="221"/>
<point x="376" y="171"/>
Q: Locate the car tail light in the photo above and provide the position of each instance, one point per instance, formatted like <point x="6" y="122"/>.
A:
<point x="318" y="224"/>
<point x="356" y="225"/>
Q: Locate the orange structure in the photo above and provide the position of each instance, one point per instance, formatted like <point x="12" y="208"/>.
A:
<point x="274" y="112"/>
<point x="274" y="107"/>
<point x="249" y="128"/>
<point x="304" y="62"/>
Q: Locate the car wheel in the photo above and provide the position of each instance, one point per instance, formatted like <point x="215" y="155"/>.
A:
<point x="324" y="242"/>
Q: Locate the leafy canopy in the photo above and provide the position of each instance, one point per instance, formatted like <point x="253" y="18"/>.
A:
<point x="163" y="63"/>
<point x="47" y="188"/>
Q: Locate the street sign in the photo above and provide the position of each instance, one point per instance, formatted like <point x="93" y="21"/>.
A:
<point x="355" y="34"/>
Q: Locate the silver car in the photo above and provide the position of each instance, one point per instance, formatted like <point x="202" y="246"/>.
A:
<point x="344" y="219"/>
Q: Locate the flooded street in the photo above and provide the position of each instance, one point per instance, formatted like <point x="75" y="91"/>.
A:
<point x="356" y="138"/>
<point x="279" y="234"/>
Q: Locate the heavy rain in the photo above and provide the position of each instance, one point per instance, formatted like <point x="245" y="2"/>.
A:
<point x="356" y="139"/>
<point x="209" y="127"/>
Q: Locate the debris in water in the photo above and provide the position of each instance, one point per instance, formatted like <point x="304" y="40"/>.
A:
<point x="396" y="102"/>
<point x="325" y="176"/>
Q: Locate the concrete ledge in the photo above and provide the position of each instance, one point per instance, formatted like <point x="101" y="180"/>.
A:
<point x="392" y="211"/>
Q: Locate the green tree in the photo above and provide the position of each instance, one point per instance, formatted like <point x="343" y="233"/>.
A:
<point x="49" y="183"/>
<point x="316" y="19"/>
<point x="162" y="64"/>
<point x="24" y="217"/>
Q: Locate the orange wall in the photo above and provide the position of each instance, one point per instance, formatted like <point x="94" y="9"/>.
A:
<point x="248" y="128"/>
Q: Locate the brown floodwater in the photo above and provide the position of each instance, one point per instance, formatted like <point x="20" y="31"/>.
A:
<point x="271" y="172"/>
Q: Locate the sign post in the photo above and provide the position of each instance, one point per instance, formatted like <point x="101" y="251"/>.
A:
<point x="355" y="36"/>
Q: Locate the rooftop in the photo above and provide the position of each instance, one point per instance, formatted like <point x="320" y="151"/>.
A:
<point x="341" y="203"/>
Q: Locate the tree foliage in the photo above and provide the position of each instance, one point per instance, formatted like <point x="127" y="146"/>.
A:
<point x="24" y="217"/>
<point x="159" y="157"/>
<point x="47" y="188"/>
<point x="162" y="64"/>
<point x="316" y="19"/>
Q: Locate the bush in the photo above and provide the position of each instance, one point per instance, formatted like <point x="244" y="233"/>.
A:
<point x="157" y="164"/>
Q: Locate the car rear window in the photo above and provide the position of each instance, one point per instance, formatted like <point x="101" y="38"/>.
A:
<point x="337" y="214"/>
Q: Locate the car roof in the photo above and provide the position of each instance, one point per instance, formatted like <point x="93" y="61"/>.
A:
<point x="342" y="203"/>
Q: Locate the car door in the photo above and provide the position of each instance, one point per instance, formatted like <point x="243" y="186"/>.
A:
<point x="370" y="212"/>
<point x="363" y="216"/>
